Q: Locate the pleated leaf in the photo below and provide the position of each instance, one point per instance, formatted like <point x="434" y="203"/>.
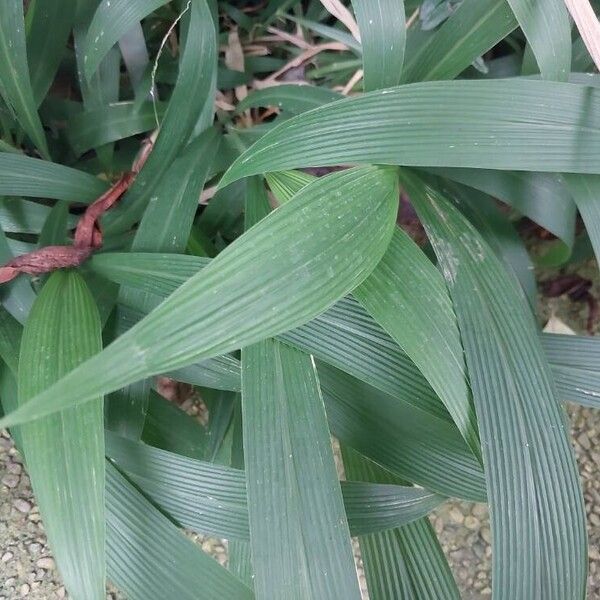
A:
<point x="402" y="563"/>
<point x="407" y="296"/>
<point x="212" y="499"/>
<point x="149" y="559"/>
<point x="65" y="451"/>
<point x="515" y="125"/>
<point x="288" y="268"/>
<point x="532" y="479"/>
<point x="299" y="535"/>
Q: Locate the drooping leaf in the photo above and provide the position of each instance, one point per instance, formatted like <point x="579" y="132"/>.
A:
<point x="25" y="176"/>
<point x="15" y="85"/>
<point x="346" y="218"/>
<point x="139" y="537"/>
<point x="299" y="535"/>
<point x="212" y="498"/>
<point x="295" y="99"/>
<point x="543" y="197"/>
<point x="404" y="440"/>
<point x="485" y="124"/>
<point x="531" y="474"/>
<point x="65" y="451"/>
<point x="111" y="21"/>
<point x="196" y="79"/>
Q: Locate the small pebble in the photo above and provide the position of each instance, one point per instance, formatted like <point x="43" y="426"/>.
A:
<point x="6" y="557"/>
<point x="15" y="468"/>
<point x="10" y="480"/>
<point x="456" y="515"/>
<point x="46" y="563"/>
<point x="24" y="589"/>
<point x="471" y="523"/>
<point x="22" y="505"/>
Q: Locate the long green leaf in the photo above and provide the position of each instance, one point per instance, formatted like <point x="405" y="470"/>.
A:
<point x="543" y="197"/>
<point x="112" y="20"/>
<point x="382" y="26"/>
<point x="299" y="534"/>
<point x="531" y="473"/>
<point x="586" y="192"/>
<point x="93" y="128"/>
<point x="407" y="296"/>
<point x="515" y="125"/>
<point x="402" y="563"/>
<point x="275" y="277"/>
<point x="65" y="451"/>
<point x="15" y="85"/>
<point x="139" y="537"/>
<point x="295" y="99"/>
<point x="47" y="35"/>
<point x="404" y="440"/>
<point x="196" y="79"/>
<point x="25" y="176"/>
<point x="548" y="31"/>
<point x="474" y="28"/>
<point x="212" y="499"/>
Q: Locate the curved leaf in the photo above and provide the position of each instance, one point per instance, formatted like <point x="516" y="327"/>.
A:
<point x="65" y="451"/>
<point x="532" y="479"/>
<point x="484" y="124"/>
<point x="276" y="276"/>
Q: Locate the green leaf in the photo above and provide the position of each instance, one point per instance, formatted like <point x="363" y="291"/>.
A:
<point x="276" y="276"/>
<point x="474" y="28"/>
<point x="168" y="427"/>
<point x="15" y="85"/>
<point x="585" y="191"/>
<point x="403" y="563"/>
<point x="139" y="537"/>
<point x="196" y="79"/>
<point x="295" y="99"/>
<point x="95" y="127"/>
<point x="65" y="451"/>
<point x="25" y="176"/>
<point x="10" y="340"/>
<point x="347" y="337"/>
<point x="543" y="197"/>
<point x="17" y="296"/>
<point x="532" y="479"/>
<point x="404" y="440"/>
<point x="21" y="216"/>
<point x="382" y="28"/>
<point x="49" y="28"/>
<point x="165" y="227"/>
<point x="547" y="28"/>
<point x="112" y="20"/>
<point x="212" y="499"/>
<point x="407" y="296"/>
<point x="299" y="534"/>
<point x="508" y="125"/>
<point x="157" y="273"/>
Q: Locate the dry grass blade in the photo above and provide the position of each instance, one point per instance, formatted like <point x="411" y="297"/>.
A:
<point x="587" y="23"/>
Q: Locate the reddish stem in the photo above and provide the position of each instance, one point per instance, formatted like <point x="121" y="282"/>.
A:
<point x="88" y="234"/>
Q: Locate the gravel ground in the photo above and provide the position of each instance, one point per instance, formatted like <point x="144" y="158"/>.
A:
<point x="27" y="568"/>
